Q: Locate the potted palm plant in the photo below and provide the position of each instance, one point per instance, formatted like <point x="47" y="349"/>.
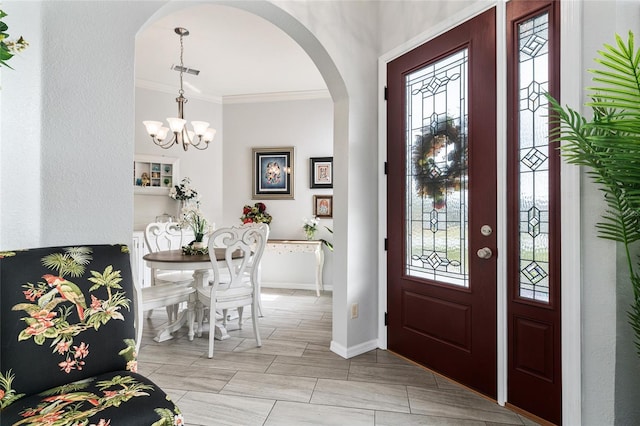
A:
<point x="608" y="145"/>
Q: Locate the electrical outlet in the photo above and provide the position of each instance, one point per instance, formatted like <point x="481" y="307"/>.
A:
<point x="354" y="311"/>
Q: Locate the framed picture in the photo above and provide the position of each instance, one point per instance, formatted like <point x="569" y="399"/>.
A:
<point x="273" y="173"/>
<point x="323" y="206"/>
<point x="321" y="172"/>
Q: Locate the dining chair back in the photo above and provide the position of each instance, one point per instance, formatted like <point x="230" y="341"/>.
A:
<point x="235" y="279"/>
<point x="161" y="236"/>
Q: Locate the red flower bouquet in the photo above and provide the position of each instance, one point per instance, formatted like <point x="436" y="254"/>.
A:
<point x="256" y="214"/>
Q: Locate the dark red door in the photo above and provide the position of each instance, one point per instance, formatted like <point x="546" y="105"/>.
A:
<point x="442" y="204"/>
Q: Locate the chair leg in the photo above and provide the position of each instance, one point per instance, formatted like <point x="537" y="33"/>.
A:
<point x="199" y="317"/>
<point x="240" y="311"/>
<point x="258" y="291"/>
<point x="224" y="317"/>
<point x="259" y="312"/>
<point x="256" y="329"/>
<point x="212" y="338"/>
<point x="190" y="315"/>
<point x="212" y="330"/>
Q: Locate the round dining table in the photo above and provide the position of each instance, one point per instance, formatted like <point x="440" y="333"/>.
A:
<point x="200" y="264"/>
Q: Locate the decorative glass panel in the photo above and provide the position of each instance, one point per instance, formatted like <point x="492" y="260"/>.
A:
<point x="437" y="177"/>
<point x="533" y="57"/>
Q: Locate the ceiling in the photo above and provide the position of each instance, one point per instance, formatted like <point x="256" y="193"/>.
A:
<point x="237" y="53"/>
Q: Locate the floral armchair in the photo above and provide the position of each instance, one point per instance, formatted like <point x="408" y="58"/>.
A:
<point x="67" y="354"/>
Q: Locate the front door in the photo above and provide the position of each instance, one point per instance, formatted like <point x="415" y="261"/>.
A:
<point x="442" y="204"/>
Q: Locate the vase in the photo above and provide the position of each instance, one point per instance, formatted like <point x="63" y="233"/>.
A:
<point x="198" y="245"/>
<point x="310" y="234"/>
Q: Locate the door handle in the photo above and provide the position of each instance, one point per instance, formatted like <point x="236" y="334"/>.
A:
<point x="485" y="253"/>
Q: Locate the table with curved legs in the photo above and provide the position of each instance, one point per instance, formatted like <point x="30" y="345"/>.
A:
<point x="200" y="264"/>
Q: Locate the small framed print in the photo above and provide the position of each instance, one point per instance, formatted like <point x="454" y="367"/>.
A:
<point x="273" y="173"/>
<point x="321" y="172"/>
<point x="323" y="206"/>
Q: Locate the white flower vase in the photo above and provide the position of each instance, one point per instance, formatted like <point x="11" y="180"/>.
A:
<point x="198" y="245"/>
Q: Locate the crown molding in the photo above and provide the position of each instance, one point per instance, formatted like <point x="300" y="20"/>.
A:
<point x="240" y="99"/>
<point x="150" y="85"/>
<point x="277" y="97"/>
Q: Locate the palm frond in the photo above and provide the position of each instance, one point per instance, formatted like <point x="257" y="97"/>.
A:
<point x="609" y="147"/>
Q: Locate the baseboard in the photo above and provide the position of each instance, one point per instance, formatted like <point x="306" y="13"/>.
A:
<point x="352" y="351"/>
<point x="295" y="286"/>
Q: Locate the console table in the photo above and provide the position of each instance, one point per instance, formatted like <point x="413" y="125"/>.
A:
<point x="301" y="246"/>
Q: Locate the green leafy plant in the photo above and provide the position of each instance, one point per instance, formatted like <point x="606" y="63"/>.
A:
<point x="325" y="242"/>
<point x="608" y="145"/>
<point x="8" y="48"/>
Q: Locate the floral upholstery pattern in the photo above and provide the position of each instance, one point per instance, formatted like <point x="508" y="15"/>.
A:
<point x="67" y="354"/>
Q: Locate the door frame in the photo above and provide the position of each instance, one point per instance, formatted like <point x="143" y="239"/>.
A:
<point x="571" y="317"/>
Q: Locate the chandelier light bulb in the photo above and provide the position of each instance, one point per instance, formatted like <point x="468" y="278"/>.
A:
<point x="200" y="127"/>
<point x="176" y="124"/>
<point x="209" y="135"/>
<point x="153" y="127"/>
<point x="162" y="133"/>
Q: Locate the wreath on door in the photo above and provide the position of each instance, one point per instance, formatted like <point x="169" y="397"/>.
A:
<point x="439" y="159"/>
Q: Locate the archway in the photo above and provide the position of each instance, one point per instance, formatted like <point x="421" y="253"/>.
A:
<point x="337" y="89"/>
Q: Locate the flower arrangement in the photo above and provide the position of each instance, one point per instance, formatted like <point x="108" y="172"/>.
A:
<point x="310" y="227"/>
<point x="184" y="191"/>
<point x="8" y="48"/>
<point x="193" y="218"/>
<point x="256" y="214"/>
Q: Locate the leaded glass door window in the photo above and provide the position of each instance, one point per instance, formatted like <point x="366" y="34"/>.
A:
<point x="533" y="141"/>
<point x="437" y="175"/>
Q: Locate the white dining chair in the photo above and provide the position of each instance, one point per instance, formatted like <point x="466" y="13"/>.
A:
<point x="160" y="236"/>
<point x="163" y="295"/>
<point x="235" y="279"/>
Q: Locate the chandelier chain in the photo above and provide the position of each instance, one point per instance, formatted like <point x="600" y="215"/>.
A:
<point x="181" y="91"/>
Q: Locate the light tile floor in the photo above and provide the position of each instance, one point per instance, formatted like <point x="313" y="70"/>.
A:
<point x="293" y="379"/>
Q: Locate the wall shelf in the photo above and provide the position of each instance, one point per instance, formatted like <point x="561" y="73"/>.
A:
<point x="162" y="173"/>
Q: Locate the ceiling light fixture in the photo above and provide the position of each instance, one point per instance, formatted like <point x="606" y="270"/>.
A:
<point x="201" y="135"/>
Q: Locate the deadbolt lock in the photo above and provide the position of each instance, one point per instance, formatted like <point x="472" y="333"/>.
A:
<point x="486" y="230"/>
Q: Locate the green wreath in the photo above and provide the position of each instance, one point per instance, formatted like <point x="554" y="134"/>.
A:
<point x="433" y="178"/>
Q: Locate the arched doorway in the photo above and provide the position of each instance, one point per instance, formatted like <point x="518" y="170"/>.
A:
<point x="334" y="83"/>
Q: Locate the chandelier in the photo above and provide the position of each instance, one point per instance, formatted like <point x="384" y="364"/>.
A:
<point x="201" y="135"/>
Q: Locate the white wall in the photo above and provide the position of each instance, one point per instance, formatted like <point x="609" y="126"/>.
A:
<point x="307" y="125"/>
<point x="204" y="168"/>
<point x="66" y="178"/>
<point x="349" y="32"/>
<point x="20" y="136"/>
